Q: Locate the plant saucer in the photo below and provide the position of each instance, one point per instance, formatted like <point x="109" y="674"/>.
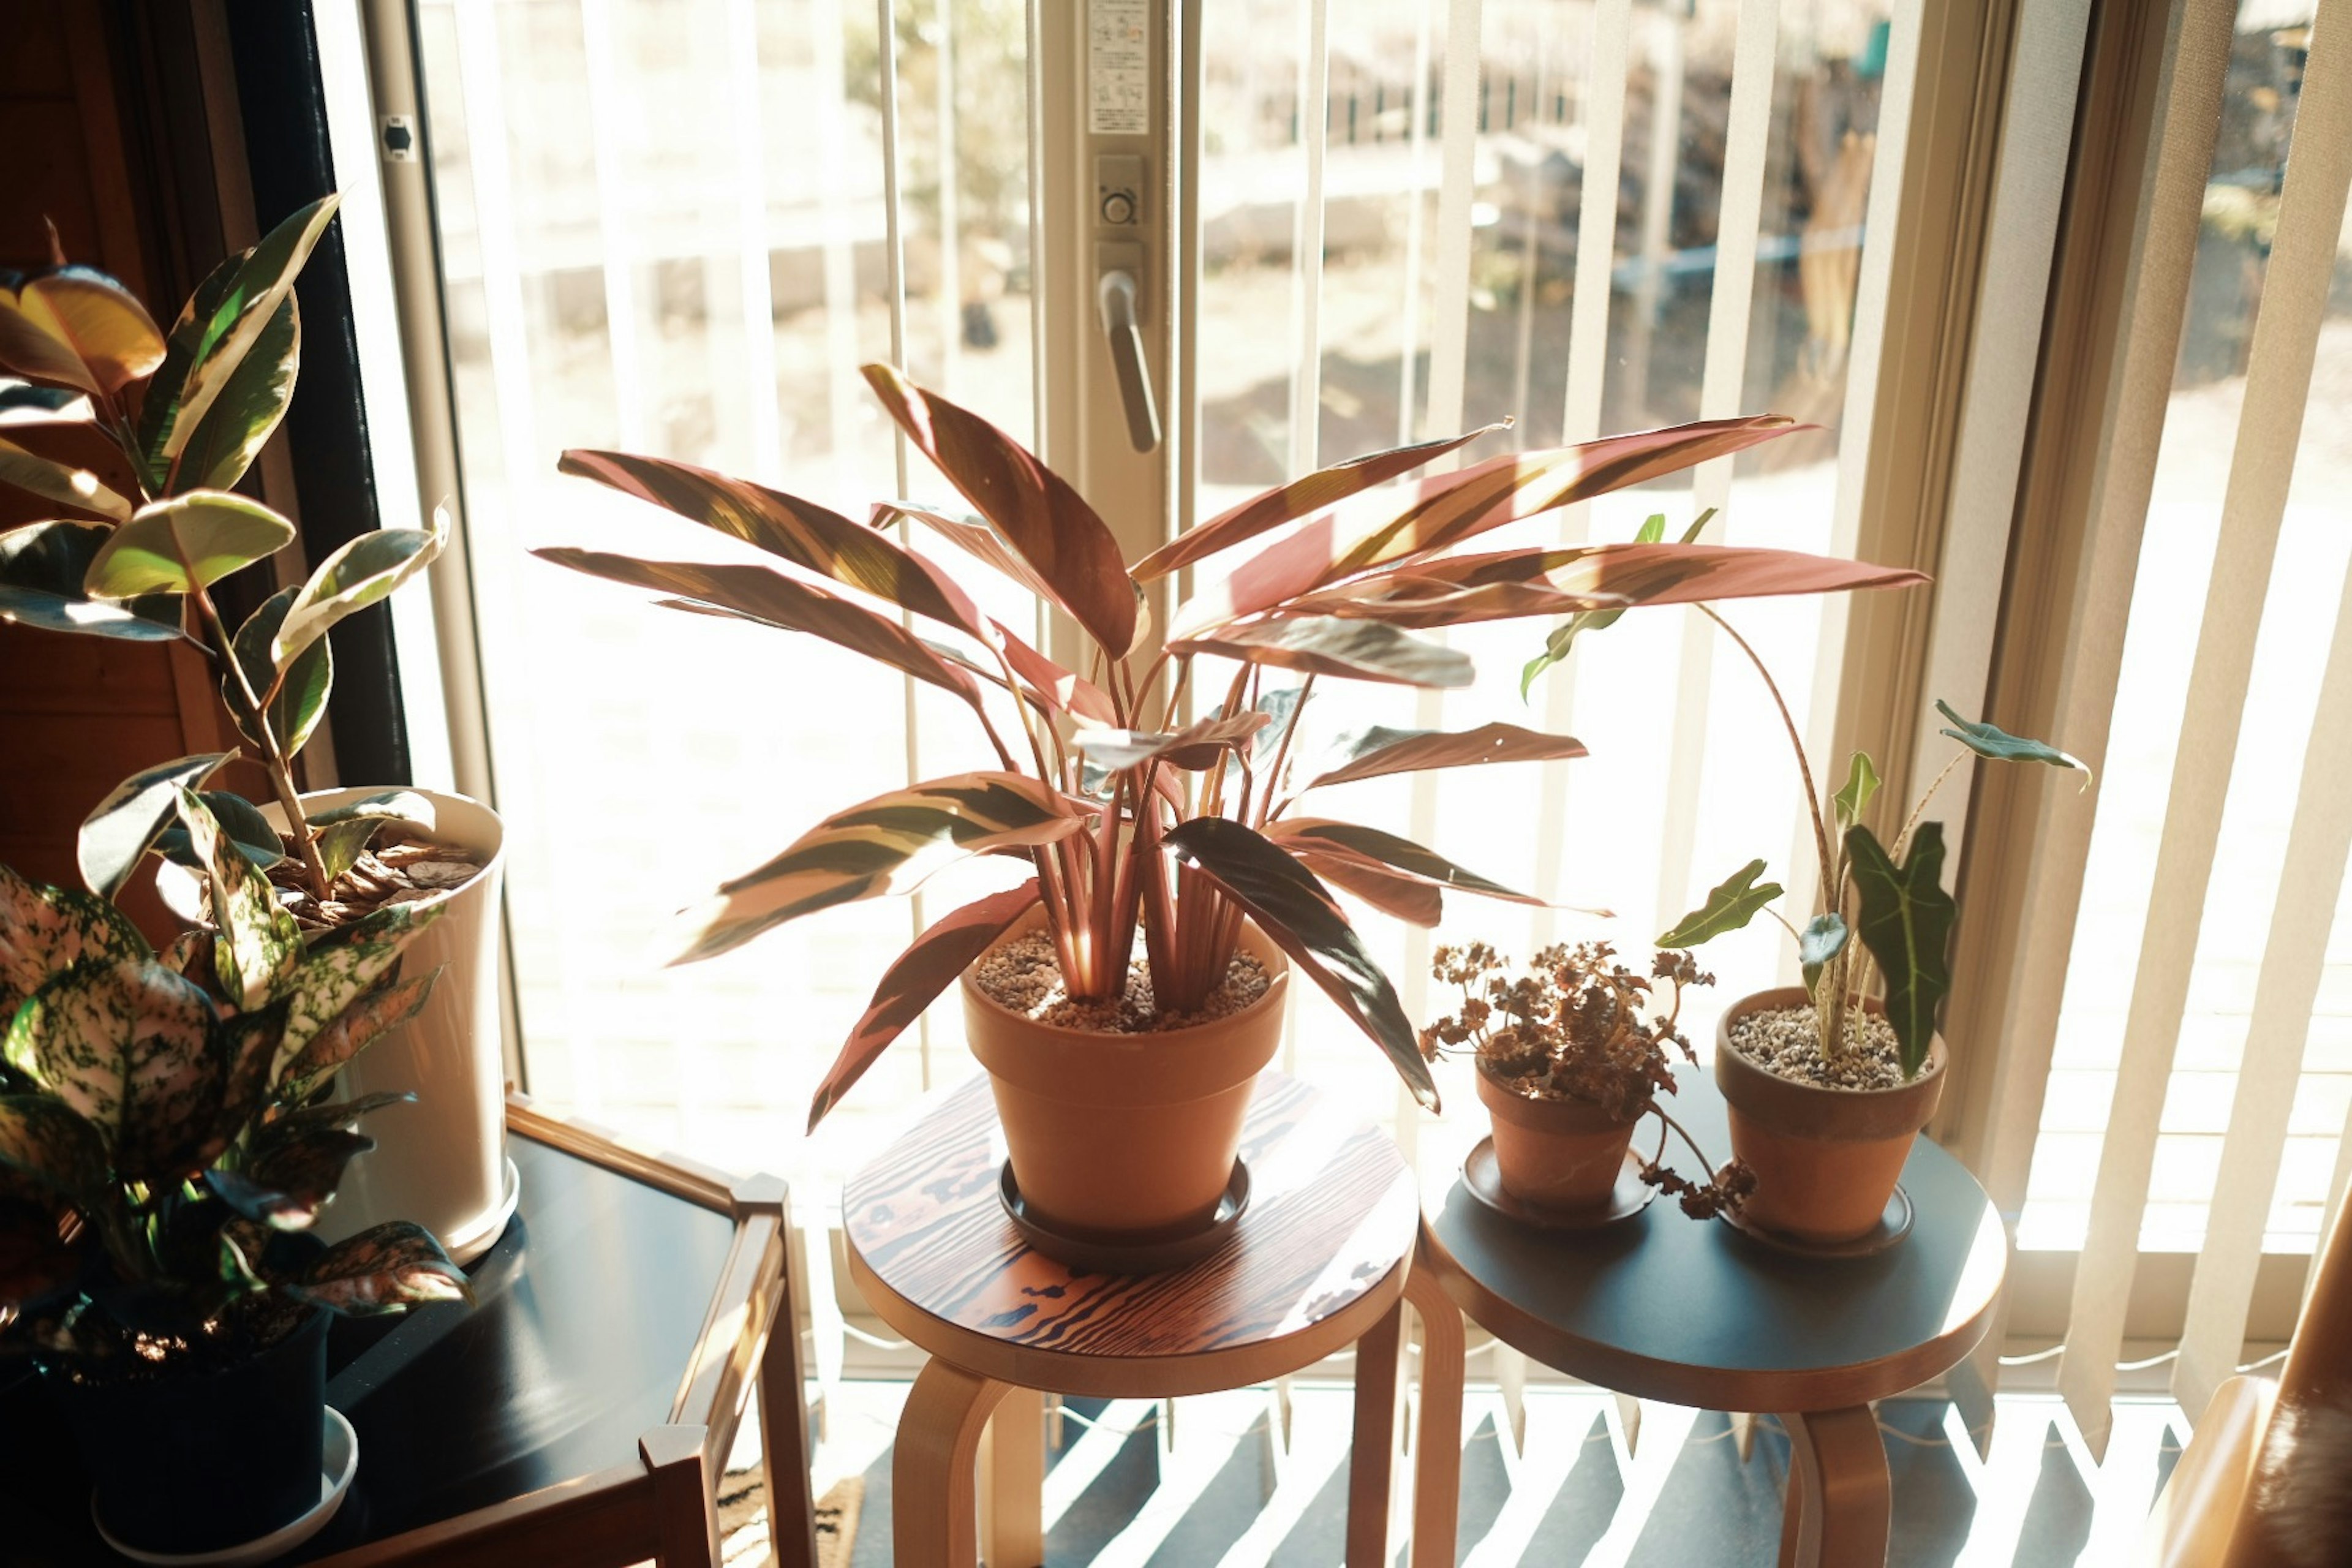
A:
<point x="339" y="1460"/>
<point x="1105" y="1254"/>
<point x="1893" y="1224"/>
<point x="1483" y="1175"/>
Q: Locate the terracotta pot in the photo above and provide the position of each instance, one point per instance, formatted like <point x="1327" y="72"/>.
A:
<point x="441" y="1162"/>
<point x="1125" y="1138"/>
<point x="1826" y="1159"/>
<point x="1554" y="1154"/>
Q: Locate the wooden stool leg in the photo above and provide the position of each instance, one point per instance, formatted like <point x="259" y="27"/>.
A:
<point x="1012" y="1482"/>
<point x="1437" y="1444"/>
<point x="1840" y="1494"/>
<point x="933" y="1501"/>
<point x="685" y="1522"/>
<point x="1371" y="1456"/>
<point x="783" y="1444"/>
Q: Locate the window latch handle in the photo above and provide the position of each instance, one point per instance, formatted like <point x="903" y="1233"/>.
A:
<point x="1115" y="294"/>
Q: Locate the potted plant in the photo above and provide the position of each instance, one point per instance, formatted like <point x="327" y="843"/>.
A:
<point x="1124" y="998"/>
<point x="138" y="553"/>
<point x="1828" y="1083"/>
<point x="1570" y="1054"/>
<point x="166" y="1144"/>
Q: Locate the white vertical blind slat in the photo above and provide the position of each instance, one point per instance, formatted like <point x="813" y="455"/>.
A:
<point x="605" y="121"/>
<point x="1722" y="386"/>
<point x="828" y="42"/>
<point x="1417" y="200"/>
<point x="1306" y="250"/>
<point x="1602" y="115"/>
<point x="2293" y="957"/>
<point x="2278" y="385"/>
<point x="949" y="304"/>
<point x="2153" y="309"/>
<point x="751" y="240"/>
<point x="1449" y="331"/>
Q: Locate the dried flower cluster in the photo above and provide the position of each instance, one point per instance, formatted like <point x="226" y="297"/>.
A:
<point x="1576" y="1024"/>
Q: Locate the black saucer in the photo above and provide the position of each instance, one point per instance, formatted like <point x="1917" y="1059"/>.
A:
<point x="1483" y="1178"/>
<point x="1115" y="1254"/>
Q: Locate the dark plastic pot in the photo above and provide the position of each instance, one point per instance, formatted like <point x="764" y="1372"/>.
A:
<point x="200" y="1462"/>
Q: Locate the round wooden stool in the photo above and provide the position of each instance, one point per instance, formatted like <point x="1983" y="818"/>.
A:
<point x="1318" y="1261"/>
<point x="1664" y="1307"/>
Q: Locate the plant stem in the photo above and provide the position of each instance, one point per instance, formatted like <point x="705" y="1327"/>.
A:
<point x="1281" y="751"/>
<point x="1903" y="838"/>
<point x="274" y="760"/>
<point x="1796" y="743"/>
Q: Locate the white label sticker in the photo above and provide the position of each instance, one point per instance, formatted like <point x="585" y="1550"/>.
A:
<point x="1119" y="67"/>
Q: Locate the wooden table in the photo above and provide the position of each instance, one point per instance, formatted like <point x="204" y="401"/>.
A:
<point x="1319" y="1260"/>
<point x="580" y="1413"/>
<point x="1687" y="1312"/>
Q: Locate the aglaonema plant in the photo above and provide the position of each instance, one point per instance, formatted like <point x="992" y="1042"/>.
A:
<point x="1132" y="813"/>
<point x="166" y="1134"/>
<point x="136" y="439"/>
<point x="1891" y="896"/>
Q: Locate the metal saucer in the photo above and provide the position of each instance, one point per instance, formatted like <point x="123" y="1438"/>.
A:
<point x="1149" y="1254"/>
<point x="1484" y="1177"/>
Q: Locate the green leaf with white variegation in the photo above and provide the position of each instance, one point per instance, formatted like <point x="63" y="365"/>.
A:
<point x="1294" y="909"/>
<point x="45" y="1140"/>
<point x="249" y="1047"/>
<point x="357" y="1026"/>
<point x="1906" y="920"/>
<point x="198" y="538"/>
<point x="257" y="945"/>
<point x="252" y="400"/>
<point x="914" y="980"/>
<point x="116" y="836"/>
<point x="302" y="690"/>
<point x="344" y="832"/>
<point x="383" y="1269"/>
<point x="2001" y="746"/>
<point x="1730" y="904"/>
<point x="223" y="322"/>
<point x="74" y="326"/>
<point x="343" y="966"/>
<point x="133" y="1047"/>
<point x="79" y="489"/>
<point x="368" y="569"/>
<point x="1861" y="784"/>
<point x="1823" y="940"/>
<point x="886" y="844"/>
<point x="42" y="567"/>
<point x="292" y="1181"/>
<point x="240" y="819"/>
<point x="45" y="931"/>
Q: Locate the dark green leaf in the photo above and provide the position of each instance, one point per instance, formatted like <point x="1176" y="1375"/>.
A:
<point x="1293" y="907"/>
<point x="301" y="701"/>
<point x="240" y="819"/>
<point x="2001" y="746"/>
<point x="259" y="945"/>
<point x="43" y="1139"/>
<point x="42" y="567"/>
<point x="1733" y="903"/>
<point x="253" y="398"/>
<point x="197" y="536"/>
<point x="1823" y="940"/>
<point x="294" y="1179"/>
<point x="115" y="837"/>
<point x="384" y="1269"/>
<point x="1906" y="920"/>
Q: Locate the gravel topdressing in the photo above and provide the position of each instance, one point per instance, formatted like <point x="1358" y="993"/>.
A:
<point x="1787" y="1043"/>
<point x="1025" y="976"/>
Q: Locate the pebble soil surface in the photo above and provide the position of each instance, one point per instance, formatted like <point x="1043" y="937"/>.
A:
<point x="1786" y="1042"/>
<point x="1025" y="976"/>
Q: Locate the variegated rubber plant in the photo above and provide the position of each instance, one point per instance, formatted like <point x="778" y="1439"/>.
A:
<point x="1899" y="907"/>
<point x="1131" y="812"/>
<point x="135" y="440"/>
<point x="165" y="1134"/>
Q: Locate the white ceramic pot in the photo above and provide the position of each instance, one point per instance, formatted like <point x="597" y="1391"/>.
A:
<point x="441" y="1162"/>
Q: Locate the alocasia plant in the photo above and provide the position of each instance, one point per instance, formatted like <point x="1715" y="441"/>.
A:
<point x="139" y="539"/>
<point x="1134" y="809"/>
<point x="166" y="1135"/>
<point x="1899" y="907"/>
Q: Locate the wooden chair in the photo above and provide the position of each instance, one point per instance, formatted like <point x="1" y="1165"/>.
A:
<point x="2264" y="1482"/>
